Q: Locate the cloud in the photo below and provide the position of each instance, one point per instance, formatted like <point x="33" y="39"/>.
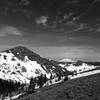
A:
<point x="98" y="30"/>
<point x="77" y="27"/>
<point x="9" y="30"/>
<point x="42" y="20"/>
<point x="25" y="2"/>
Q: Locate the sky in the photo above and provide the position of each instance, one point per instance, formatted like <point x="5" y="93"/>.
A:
<point x="54" y="29"/>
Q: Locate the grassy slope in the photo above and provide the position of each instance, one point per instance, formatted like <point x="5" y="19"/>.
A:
<point x="97" y="68"/>
<point x="85" y="88"/>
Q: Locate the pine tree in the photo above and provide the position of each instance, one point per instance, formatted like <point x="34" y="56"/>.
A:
<point x="41" y="80"/>
<point x="32" y="84"/>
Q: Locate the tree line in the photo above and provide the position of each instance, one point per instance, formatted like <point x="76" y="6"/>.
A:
<point x="9" y="86"/>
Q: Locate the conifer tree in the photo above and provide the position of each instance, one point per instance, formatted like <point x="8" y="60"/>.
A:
<point x="32" y="84"/>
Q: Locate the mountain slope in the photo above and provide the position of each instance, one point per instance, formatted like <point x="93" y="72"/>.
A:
<point x="85" y="88"/>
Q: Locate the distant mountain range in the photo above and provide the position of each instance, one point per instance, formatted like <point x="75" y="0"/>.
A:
<point x="67" y="60"/>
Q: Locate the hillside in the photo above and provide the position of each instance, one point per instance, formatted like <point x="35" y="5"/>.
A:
<point x="20" y="64"/>
<point x="85" y="88"/>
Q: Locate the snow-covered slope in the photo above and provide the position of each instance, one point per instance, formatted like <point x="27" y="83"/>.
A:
<point x="78" y="68"/>
<point x="20" y="64"/>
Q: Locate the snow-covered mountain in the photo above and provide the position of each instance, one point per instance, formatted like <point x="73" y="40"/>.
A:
<point x="78" y="67"/>
<point x="67" y="60"/>
<point x="20" y="64"/>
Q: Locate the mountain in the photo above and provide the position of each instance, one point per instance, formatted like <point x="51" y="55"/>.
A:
<point x="21" y="64"/>
<point x="67" y="60"/>
<point x="79" y="66"/>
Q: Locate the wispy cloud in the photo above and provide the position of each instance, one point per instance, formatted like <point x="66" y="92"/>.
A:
<point x="10" y="30"/>
<point x="25" y="2"/>
<point x="98" y="30"/>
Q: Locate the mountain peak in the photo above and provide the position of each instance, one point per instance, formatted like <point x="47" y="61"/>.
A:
<point x="21" y="51"/>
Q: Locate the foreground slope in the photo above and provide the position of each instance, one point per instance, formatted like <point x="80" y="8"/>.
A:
<point x="85" y="88"/>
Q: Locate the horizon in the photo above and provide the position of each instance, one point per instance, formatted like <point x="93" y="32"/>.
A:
<point x="67" y="53"/>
